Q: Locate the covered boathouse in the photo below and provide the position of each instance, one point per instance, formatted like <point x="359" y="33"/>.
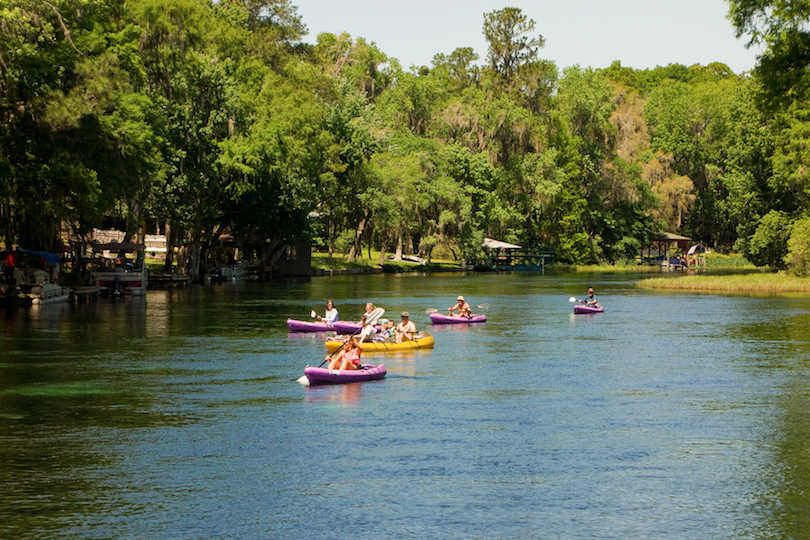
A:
<point x="667" y="250"/>
<point x="504" y="256"/>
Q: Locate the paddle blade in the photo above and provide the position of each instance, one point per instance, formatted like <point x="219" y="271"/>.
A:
<point x="303" y="380"/>
<point x="483" y="306"/>
<point x="312" y="314"/>
<point x="572" y="299"/>
<point x="429" y="311"/>
<point x="374" y="315"/>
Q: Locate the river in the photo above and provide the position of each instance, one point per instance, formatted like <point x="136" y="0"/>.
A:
<point x="178" y="415"/>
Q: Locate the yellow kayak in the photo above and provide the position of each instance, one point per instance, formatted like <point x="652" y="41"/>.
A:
<point x="424" y="342"/>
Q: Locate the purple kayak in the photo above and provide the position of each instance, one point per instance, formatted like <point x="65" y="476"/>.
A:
<point x="438" y="318"/>
<point x="318" y="375"/>
<point x="588" y="309"/>
<point x="346" y="327"/>
<point x="304" y="326"/>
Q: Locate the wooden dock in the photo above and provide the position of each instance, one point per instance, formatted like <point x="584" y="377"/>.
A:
<point x="167" y="281"/>
<point x="84" y="294"/>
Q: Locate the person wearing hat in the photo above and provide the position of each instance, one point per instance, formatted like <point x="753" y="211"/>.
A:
<point x="462" y="307"/>
<point x="406" y="329"/>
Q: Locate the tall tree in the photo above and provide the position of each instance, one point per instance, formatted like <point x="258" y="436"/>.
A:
<point x="509" y="47"/>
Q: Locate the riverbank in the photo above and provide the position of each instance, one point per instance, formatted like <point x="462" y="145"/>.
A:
<point x="749" y="282"/>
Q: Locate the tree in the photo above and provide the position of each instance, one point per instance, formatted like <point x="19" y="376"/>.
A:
<point x="798" y="255"/>
<point x="768" y="246"/>
<point x="782" y="28"/>
<point x="509" y="48"/>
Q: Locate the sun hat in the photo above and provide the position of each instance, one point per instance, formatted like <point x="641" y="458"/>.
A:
<point x="460" y="298"/>
<point x="406" y="314"/>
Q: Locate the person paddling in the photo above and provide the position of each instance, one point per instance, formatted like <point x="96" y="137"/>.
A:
<point x="406" y="329"/>
<point x="462" y="307"/>
<point x="331" y="315"/>
<point x="590" y="301"/>
<point x="349" y="357"/>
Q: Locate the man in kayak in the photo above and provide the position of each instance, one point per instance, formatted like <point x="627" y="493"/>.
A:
<point x="462" y="307"/>
<point x="348" y="357"/>
<point x="590" y="301"/>
<point x="406" y="329"/>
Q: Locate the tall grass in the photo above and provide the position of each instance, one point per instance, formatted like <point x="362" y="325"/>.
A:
<point x="755" y="282"/>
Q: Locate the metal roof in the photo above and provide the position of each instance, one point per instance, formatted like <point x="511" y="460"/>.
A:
<point x="489" y="243"/>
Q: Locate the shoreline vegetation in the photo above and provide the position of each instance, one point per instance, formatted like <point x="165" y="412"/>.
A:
<point x="765" y="282"/>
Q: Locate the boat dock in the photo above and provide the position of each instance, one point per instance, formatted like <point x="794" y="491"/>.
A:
<point x="167" y="281"/>
<point x="84" y="294"/>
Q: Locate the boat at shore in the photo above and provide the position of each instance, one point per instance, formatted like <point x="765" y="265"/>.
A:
<point x="581" y="310"/>
<point x="34" y="279"/>
<point x="422" y="342"/>
<point x="222" y="273"/>
<point x="118" y="276"/>
<point x="439" y="318"/>
<point x="318" y="375"/>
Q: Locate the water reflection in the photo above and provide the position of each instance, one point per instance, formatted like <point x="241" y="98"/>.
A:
<point x="688" y="415"/>
<point x="345" y="395"/>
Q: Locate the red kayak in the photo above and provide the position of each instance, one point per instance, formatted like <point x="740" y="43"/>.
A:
<point x="318" y="375"/>
<point x="438" y="318"/>
<point x="580" y="310"/>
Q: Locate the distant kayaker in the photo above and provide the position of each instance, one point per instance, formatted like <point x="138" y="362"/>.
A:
<point x="590" y="301"/>
<point x="331" y="313"/>
<point x="462" y="307"/>
<point x="348" y="357"/>
<point x="406" y="329"/>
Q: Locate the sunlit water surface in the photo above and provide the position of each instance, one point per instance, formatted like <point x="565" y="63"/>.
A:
<point x="671" y="415"/>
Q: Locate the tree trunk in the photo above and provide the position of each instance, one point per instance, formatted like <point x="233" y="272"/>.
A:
<point x="398" y="253"/>
<point x="169" y="263"/>
<point x="357" y="249"/>
<point x="330" y="227"/>
<point x="383" y="247"/>
<point x="194" y="259"/>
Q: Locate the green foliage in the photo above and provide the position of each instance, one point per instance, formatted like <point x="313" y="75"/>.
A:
<point x="213" y="117"/>
<point x="768" y="246"/>
<point x="798" y="249"/>
<point x="509" y="47"/>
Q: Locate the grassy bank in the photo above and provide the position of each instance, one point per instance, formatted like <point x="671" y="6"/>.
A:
<point x="753" y="282"/>
<point x="320" y="261"/>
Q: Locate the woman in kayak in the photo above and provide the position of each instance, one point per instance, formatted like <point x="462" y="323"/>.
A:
<point x="348" y="357"/>
<point x="331" y="313"/>
<point x="462" y="307"/>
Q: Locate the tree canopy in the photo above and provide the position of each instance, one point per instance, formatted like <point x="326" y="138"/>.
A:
<point x="201" y="117"/>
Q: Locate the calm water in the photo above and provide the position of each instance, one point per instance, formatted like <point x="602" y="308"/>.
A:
<point x="179" y="416"/>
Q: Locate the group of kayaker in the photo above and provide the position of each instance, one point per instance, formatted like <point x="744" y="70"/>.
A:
<point x="348" y="357"/>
